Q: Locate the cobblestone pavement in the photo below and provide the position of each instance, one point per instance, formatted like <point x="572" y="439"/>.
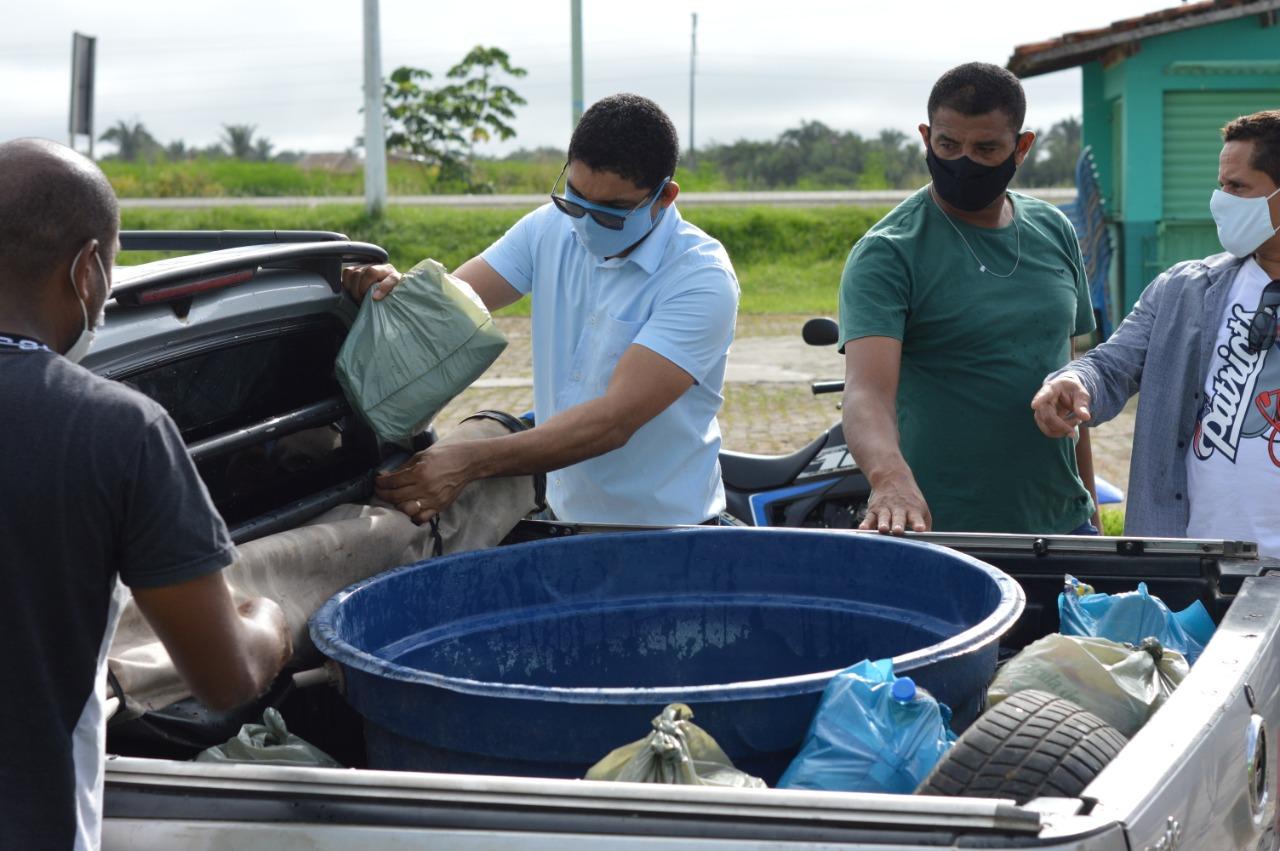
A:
<point x="768" y="406"/>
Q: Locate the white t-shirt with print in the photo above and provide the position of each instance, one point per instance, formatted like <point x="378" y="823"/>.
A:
<point x="1233" y="464"/>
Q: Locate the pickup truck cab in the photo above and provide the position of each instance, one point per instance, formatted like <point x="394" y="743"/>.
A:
<point x="238" y="343"/>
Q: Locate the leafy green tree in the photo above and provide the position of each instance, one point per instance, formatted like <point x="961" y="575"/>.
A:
<point x="442" y="125"/>
<point x="902" y="157"/>
<point x="132" y="141"/>
<point x="1053" y="159"/>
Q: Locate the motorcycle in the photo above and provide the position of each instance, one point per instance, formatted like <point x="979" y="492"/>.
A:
<point x="819" y="486"/>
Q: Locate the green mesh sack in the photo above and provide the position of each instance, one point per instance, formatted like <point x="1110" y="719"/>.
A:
<point x="407" y="355"/>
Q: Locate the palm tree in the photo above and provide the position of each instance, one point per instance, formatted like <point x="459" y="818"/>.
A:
<point x="131" y="140"/>
<point x="239" y="140"/>
<point x="262" y="149"/>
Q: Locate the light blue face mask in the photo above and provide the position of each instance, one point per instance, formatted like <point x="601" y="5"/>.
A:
<point x="601" y="240"/>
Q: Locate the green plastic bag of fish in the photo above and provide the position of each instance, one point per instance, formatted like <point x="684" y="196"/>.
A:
<point x="409" y="354"/>
<point x="677" y="752"/>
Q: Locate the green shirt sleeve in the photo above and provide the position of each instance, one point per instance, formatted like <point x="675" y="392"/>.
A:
<point x="875" y="291"/>
<point x="1084" y="303"/>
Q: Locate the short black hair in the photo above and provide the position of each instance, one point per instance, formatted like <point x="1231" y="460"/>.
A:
<point x="976" y="88"/>
<point x="52" y="201"/>
<point x="630" y="136"/>
<point x="1263" y="129"/>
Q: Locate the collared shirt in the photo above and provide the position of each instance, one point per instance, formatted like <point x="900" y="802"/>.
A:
<point x="1161" y="351"/>
<point x="675" y="294"/>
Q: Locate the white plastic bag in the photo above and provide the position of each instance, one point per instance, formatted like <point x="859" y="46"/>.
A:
<point x="1121" y="684"/>
<point x="407" y="355"/>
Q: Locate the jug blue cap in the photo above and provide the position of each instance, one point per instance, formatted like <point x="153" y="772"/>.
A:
<point x="903" y="688"/>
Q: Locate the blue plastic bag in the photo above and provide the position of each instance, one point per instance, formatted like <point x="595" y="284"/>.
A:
<point x="873" y="732"/>
<point x="1133" y="616"/>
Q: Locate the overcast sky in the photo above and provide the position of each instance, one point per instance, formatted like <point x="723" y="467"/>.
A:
<point x="293" y="67"/>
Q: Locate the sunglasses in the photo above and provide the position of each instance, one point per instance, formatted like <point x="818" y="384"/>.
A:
<point x="601" y="215"/>
<point x="1262" y="328"/>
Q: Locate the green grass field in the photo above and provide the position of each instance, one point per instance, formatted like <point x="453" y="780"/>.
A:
<point x="223" y="178"/>
<point x="788" y="260"/>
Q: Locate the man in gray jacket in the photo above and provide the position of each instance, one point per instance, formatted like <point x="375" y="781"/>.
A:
<point x="1199" y="348"/>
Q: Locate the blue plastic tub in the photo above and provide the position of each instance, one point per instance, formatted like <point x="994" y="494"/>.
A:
<point x="539" y="659"/>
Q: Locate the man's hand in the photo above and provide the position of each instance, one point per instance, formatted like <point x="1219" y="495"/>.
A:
<point x="429" y="482"/>
<point x="266" y="615"/>
<point x="897" y="505"/>
<point x="1061" y="405"/>
<point x="227" y="654"/>
<point x="359" y="279"/>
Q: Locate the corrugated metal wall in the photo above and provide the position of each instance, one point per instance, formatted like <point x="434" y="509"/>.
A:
<point x="1192" y="142"/>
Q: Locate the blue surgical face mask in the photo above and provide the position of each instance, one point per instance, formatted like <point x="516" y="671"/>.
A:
<point x="606" y="242"/>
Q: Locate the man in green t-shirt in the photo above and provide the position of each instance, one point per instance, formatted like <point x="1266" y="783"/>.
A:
<point x="953" y="308"/>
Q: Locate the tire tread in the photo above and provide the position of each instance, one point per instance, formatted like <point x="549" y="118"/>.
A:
<point x="1029" y="745"/>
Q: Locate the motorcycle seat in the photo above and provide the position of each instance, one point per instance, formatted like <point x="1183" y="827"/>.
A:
<point x="743" y="471"/>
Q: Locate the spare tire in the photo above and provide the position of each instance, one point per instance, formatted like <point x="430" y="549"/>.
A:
<point x="1032" y="744"/>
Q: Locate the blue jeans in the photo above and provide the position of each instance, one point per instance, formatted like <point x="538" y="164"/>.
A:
<point x="1086" y="528"/>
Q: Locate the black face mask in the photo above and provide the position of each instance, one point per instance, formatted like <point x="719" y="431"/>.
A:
<point x="968" y="185"/>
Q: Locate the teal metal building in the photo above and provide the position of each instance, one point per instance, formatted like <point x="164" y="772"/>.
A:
<point x="1156" y="91"/>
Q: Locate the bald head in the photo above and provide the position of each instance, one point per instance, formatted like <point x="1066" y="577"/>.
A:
<point x="52" y="201"/>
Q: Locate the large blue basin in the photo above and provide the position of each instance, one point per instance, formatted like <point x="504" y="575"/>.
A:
<point x="539" y="659"/>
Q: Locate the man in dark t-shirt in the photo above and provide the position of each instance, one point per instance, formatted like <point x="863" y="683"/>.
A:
<point x="96" y="489"/>
<point x="952" y="309"/>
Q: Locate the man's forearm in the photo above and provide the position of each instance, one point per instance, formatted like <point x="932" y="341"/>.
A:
<point x="871" y="433"/>
<point x="1084" y="464"/>
<point x="581" y="432"/>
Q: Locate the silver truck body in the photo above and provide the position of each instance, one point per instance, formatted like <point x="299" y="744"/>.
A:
<point x="1200" y="775"/>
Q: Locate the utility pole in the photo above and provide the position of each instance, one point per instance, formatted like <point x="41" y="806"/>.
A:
<point x="375" y="139"/>
<point x="575" y="15"/>
<point x="693" y="64"/>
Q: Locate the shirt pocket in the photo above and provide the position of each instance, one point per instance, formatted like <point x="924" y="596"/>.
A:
<point x="601" y="345"/>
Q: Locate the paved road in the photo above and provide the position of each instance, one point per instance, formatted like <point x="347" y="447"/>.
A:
<point x="886" y="198"/>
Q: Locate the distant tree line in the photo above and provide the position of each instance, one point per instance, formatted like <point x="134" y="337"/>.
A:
<point x="238" y="141"/>
<point x="815" y="156"/>
<point x="810" y="156"/>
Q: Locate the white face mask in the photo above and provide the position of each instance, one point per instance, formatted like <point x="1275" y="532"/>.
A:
<point x="1243" y="223"/>
<point x="81" y="346"/>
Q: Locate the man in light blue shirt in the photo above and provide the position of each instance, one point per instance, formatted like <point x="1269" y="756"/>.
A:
<point x="633" y="314"/>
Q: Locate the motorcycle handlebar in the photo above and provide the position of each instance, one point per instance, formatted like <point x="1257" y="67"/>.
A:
<point x="826" y="387"/>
